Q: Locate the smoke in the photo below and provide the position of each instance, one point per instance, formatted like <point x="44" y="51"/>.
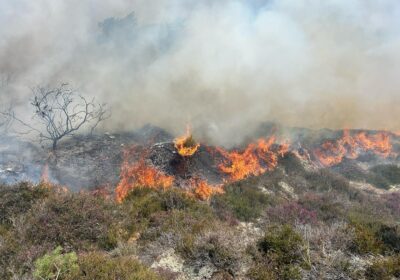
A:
<point x="223" y="66"/>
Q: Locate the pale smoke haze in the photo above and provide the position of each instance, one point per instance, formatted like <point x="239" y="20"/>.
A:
<point x="223" y="66"/>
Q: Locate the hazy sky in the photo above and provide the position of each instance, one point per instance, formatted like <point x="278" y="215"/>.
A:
<point x="223" y="66"/>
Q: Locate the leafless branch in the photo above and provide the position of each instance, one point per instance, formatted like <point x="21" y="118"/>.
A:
<point x="61" y="112"/>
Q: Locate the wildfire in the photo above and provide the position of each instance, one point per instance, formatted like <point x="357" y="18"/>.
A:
<point x="202" y="190"/>
<point x="140" y="174"/>
<point x="351" y="146"/>
<point x="254" y="160"/>
<point x="186" y="145"/>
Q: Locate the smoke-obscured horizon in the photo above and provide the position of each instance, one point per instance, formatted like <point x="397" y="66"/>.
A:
<point x="223" y="66"/>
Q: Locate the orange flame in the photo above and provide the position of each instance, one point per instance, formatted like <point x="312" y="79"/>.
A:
<point x="255" y="160"/>
<point x="140" y="174"/>
<point x="203" y="191"/>
<point x="185" y="145"/>
<point x="351" y="146"/>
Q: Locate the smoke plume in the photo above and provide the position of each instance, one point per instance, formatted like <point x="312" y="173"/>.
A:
<point x="223" y="66"/>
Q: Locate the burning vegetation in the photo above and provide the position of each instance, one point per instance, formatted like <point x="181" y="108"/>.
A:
<point x="352" y="145"/>
<point x="209" y="208"/>
<point x="185" y="145"/>
<point x="254" y="160"/>
<point x="139" y="174"/>
<point x="177" y="163"/>
<point x="139" y="170"/>
<point x="203" y="191"/>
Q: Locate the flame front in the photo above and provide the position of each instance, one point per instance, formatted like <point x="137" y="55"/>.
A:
<point x="186" y="145"/>
<point x="140" y="174"/>
<point x="254" y="160"/>
<point x="351" y="146"/>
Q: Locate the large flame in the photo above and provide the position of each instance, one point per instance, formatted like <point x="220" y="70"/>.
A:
<point x="140" y="174"/>
<point x="186" y="145"/>
<point x="255" y="159"/>
<point x="352" y="146"/>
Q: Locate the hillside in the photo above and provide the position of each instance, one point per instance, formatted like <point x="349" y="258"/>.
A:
<point x="295" y="219"/>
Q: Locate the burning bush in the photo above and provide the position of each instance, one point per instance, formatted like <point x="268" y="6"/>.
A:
<point x="352" y="145"/>
<point x="254" y="160"/>
<point x="186" y="145"/>
<point x="139" y="174"/>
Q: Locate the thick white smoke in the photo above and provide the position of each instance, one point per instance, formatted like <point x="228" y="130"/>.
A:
<point x="223" y="66"/>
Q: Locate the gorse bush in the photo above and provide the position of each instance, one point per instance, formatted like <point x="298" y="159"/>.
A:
<point x="19" y="199"/>
<point x="325" y="180"/>
<point x="56" y="265"/>
<point x="281" y="253"/>
<point x="146" y="208"/>
<point x="389" y="172"/>
<point x="384" y="269"/>
<point x="99" y="266"/>
<point x="244" y="201"/>
<point x="78" y="221"/>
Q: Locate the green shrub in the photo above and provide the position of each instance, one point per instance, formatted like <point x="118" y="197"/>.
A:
<point x="18" y="199"/>
<point x="390" y="172"/>
<point x="245" y="202"/>
<point x="365" y="240"/>
<point x="263" y="272"/>
<point x="390" y="237"/>
<point x="219" y="247"/>
<point x="326" y="206"/>
<point x="282" y="251"/>
<point x="185" y="226"/>
<point x="74" y="220"/>
<point x="325" y="180"/>
<point x="99" y="266"/>
<point x="384" y="269"/>
<point x="56" y="265"/>
<point x="145" y="207"/>
<point x="284" y="243"/>
<point x="292" y="165"/>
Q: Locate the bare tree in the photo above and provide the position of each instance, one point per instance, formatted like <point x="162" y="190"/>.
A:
<point x="62" y="111"/>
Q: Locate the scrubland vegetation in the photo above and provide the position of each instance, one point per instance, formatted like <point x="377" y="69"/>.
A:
<point x="321" y="229"/>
